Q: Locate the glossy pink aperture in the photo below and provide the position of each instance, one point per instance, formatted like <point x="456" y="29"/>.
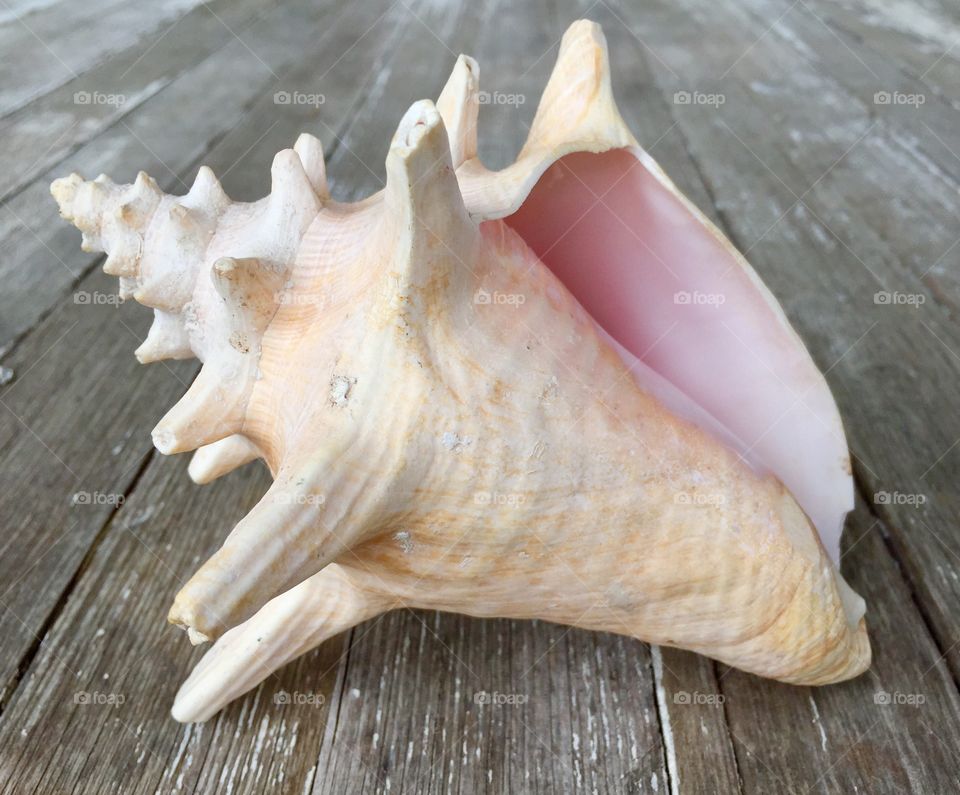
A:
<point x="712" y="343"/>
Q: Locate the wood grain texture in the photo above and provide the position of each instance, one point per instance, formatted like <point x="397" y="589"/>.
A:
<point x="836" y="197"/>
<point x="52" y="44"/>
<point x="62" y="120"/>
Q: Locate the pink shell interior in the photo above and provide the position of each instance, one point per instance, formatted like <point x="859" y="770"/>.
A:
<point x="700" y="330"/>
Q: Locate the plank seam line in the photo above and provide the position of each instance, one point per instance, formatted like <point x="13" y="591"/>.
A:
<point x="336" y="718"/>
<point x="885" y="533"/>
<point x="715" y="668"/>
<point x="29" y="655"/>
<point x="663" y="722"/>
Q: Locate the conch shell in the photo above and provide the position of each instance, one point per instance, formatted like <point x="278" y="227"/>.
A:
<point x="554" y="391"/>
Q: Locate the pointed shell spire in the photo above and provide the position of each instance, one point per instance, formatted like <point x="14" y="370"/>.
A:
<point x="210" y="410"/>
<point x="291" y="207"/>
<point x="316" y="609"/>
<point x="577" y="103"/>
<point x="459" y="105"/>
<point x="310" y="151"/>
<point x="207" y="192"/>
<point x="425" y="211"/>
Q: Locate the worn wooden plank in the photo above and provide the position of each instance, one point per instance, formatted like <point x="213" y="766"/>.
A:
<point x="515" y="59"/>
<point x="918" y="142"/>
<point x="41" y="134"/>
<point x="919" y="42"/>
<point x="438" y="703"/>
<point x="89" y="445"/>
<point x="14" y="8"/>
<point x="44" y="262"/>
<point x="47" y="46"/>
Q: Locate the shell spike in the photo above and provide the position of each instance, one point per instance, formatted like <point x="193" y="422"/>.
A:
<point x="123" y="259"/>
<point x="250" y="289"/>
<point x="293" y="202"/>
<point x="425" y="213"/>
<point x="209" y="411"/>
<point x="459" y="106"/>
<point x="145" y="187"/>
<point x="215" y="460"/>
<point x="276" y="546"/>
<point x="577" y="105"/>
<point x="185" y="233"/>
<point x="316" y="609"/>
<point x="167" y="339"/>
<point x="207" y="193"/>
<point x="310" y="151"/>
<point x="134" y="206"/>
<point x="64" y="191"/>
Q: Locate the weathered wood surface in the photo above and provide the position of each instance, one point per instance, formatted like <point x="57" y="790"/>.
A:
<point x="834" y="194"/>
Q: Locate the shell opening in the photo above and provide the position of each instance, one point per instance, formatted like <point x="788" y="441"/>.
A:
<point x="689" y="315"/>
